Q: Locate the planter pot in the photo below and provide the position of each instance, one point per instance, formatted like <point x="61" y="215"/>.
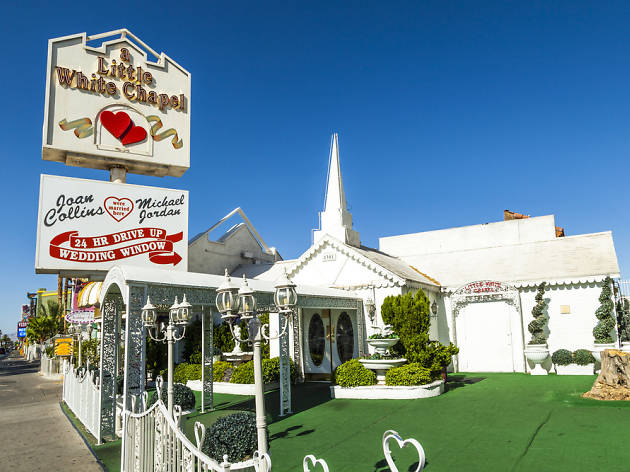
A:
<point x="537" y="354"/>
<point x="625" y="346"/>
<point x="381" y="366"/>
<point x="575" y="369"/>
<point x="598" y="348"/>
<point x="382" y="345"/>
<point x="377" y="392"/>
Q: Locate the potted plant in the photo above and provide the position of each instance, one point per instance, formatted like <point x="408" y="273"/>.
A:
<point x="580" y="362"/>
<point x="603" y="332"/>
<point x="381" y="342"/>
<point x="536" y="350"/>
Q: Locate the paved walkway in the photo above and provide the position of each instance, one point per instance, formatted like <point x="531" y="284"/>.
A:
<point x="34" y="432"/>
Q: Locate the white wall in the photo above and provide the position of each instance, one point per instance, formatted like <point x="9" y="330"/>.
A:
<point x="502" y="233"/>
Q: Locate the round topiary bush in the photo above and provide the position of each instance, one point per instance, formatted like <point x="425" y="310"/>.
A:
<point x="353" y="374"/>
<point x="182" y="396"/>
<point x="234" y="435"/>
<point x="409" y="375"/>
<point x="562" y="357"/>
<point x="244" y="373"/>
<point x="583" y="357"/>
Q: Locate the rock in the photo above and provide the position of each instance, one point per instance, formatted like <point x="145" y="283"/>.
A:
<point x="613" y="382"/>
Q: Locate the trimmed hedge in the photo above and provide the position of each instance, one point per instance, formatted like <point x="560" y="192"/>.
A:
<point x="218" y="370"/>
<point x="182" y="396"/>
<point x="234" y="435"/>
<point x="562" y="357"/>
<point x="353" y="374"/>
<point x="583" y="357"/>
<point x="185" y="372"/>
<point x="244" y="373"/>
<point x="409" y="375"/>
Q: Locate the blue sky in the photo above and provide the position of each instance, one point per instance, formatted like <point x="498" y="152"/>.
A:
<point x="448" y="113"/>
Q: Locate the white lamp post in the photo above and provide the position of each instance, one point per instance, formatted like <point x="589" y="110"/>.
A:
<point x="179" y="315"/>
<point x="231" y="299"/>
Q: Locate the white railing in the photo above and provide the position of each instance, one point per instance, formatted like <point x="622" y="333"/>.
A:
<point x="311" y="461"/>
<point x="81" y="394"/>
<point x="49" y="367"/>
<point x="153" y="441"/>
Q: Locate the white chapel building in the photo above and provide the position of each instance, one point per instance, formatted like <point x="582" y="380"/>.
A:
<point x="481" y="281"/>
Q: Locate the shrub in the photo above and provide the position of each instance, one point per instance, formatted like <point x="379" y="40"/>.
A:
<point x="606" y="324"/>
<point x="623" y="319"/>
<point x="185" y="372"/>
<point x="219" y="369"/>
<point x="234" y="435"/>
<point x="562" y="357"/>
<point x="583" y="357"/>
<point x="195" y="357"/>
<point x="410" y="319"/>
<point x="244" y="373"/>
<point x="50" y="352"/>
<point x="182" y="396"/>
<point x="537" y="326"/>
<point x="410" y="374"/>
<point x="353" y="374"/>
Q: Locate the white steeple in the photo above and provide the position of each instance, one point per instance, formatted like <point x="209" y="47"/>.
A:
<point x="336" y="220"/>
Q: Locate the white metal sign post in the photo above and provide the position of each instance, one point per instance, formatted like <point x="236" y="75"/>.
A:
<point x="88" y="226"/>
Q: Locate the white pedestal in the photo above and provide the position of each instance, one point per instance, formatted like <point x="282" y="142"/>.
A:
<point x="538" y="370"/>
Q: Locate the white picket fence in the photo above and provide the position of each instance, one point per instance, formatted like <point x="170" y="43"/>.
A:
<point x="81" y="394"/>
<point x="153" y="441"/>
<point x="50" y="367"/>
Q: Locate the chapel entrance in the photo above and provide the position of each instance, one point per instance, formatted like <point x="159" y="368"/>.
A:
<point x="330" y="339"/>
<point x="484" y="337"/>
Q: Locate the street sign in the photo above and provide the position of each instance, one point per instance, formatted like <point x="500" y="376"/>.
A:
<point x="21" y="332"/>
<point x="117" y="104"/>
<point x="88" y="226"/>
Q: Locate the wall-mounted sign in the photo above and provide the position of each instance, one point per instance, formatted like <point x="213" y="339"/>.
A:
<point x="329" y="257"/>
<point x="118" y="103"/>
<point x="63" y="346"/>
<point x="483" y="286"/>
<point x="21" y="333"/>
<point x="88" y="226"/>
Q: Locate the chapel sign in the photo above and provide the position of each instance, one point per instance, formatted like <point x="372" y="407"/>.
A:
<point x="87" y="226"/>
<point x="112" y="105"/>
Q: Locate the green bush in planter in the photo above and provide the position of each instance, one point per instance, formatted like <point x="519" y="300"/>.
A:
<point x="218" y="370"/>
<point x="353" y="374"/>
<point x="562" y="357"/>
<point x="185" y="372"/>
<point x="583" y="357"/>
<point x="182" y="396"/>
<point x="603" y="331"/>
<point x="409" y="375"/>
<point x="234" y="435"/>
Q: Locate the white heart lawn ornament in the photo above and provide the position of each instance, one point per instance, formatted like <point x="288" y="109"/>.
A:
<point x="262" y="461"/>
<point x="200" y="433"/>
<point x="310" y="461"/>
<point x="388" y="436"/>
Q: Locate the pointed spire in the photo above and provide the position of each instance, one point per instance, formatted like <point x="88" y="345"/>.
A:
<point x="336" y="220"/>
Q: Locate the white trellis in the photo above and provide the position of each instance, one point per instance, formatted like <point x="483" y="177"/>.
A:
<point x="81" y="394"/>
<point x="153" y="441"/>
<point x="310" y="461"/>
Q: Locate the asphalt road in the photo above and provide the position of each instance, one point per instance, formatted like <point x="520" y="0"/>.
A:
<point x="34" y="432"/>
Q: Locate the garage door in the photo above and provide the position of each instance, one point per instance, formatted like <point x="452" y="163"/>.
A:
<point x="484" y="339"/>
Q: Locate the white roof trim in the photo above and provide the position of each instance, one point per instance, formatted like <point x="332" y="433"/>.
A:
<point x="388" y="278"/>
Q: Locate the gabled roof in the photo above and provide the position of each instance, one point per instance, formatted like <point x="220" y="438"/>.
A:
<point x="393" y="270"/>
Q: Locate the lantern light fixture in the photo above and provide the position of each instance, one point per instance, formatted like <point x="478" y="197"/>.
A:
<point x="227" y="298"/>
<point x="246" y="301"/>
<point x="285" y="297"/>
<point x="149" y="314"/>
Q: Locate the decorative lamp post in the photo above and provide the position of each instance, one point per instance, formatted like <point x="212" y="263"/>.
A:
<point x="179" y="315"/>
<point x="231" y="299"/>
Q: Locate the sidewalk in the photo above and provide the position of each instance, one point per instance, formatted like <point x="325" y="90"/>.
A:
<point x="34" y="433"/>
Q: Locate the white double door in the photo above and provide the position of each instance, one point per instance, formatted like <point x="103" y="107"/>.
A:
<point x="330" y="339"/>
<point x="485" y="337"/>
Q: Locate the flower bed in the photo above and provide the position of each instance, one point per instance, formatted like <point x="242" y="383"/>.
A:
<point x="375" y="392"/>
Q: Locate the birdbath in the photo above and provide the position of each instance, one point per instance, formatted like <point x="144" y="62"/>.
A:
<point x="381" y="344"/>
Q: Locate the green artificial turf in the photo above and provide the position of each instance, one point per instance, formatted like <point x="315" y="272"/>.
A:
<point x="484" y="422"/>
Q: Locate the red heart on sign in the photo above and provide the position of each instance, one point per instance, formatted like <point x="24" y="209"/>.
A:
<point x="134" y="135"/>
<point x="118" y="208"/>
<point x="116" y="123"/>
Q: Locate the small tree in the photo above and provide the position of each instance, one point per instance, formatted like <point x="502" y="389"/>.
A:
<point x="603" y="331"/>
<point x="410" y="319"/>
<point x="623" y="319"/>
<point x="537" y="326"/>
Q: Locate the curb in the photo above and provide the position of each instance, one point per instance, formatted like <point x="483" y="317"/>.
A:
<point x="100" y="462"/>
